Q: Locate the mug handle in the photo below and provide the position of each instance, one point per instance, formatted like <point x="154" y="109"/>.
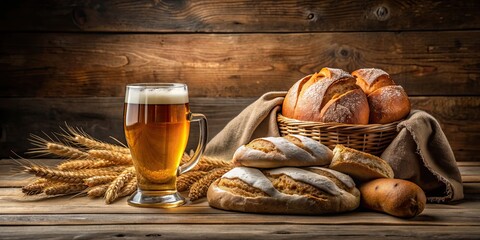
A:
<point x="202" y="142"/>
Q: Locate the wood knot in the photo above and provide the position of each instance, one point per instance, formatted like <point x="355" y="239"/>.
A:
<point x="312" y="16"/>
<point x="153" y="235"/>
<point x="382" y="13"/>
<point x="343" y="53"/>
<point x="79" y="17"/>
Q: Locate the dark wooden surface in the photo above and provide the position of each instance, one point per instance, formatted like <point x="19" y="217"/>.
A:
<point x="69" y="61"/>
<point x="231" y="65"/>
<point x="237" y="15"/>
<point x="23" y="217"/>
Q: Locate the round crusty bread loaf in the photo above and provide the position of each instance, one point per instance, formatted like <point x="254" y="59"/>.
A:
<point x="396" y="197"/>
<point x="388" y="104"/>
<point x="307" y="98"/>
<point x="359" y="165"/>
<point x="288" y="151"/>
<point x="284" y="191"/>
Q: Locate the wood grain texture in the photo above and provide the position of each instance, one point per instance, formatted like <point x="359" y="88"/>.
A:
<point x="231" y="65"/>
<point x="443" y="217"/>
<point x="103" y="117"/>
<point x="237" y="15"/>
<point x="236" y="231"/>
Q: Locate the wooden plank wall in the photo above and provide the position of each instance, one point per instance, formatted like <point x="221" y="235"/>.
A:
<point x="69" y="61"/>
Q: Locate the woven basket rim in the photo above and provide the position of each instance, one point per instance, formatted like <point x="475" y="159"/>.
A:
<point x="292" y="121"/>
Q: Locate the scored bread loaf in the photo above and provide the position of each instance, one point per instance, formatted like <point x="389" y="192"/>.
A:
<point x="387" y="101"/>
<point x="327" y="96"/>
<point x="359" y="165"/>
<point x="291" y="150"/>
<point x="312" y="190"/>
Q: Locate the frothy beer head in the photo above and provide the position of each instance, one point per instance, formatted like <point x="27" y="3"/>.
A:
<point x="157" y="94"/>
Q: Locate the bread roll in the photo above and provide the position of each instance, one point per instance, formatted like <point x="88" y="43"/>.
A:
<point x="284" y="191"/>
<point x="359" y="165"/>
<point x="396" y="197"/>
<point x="292" y="150"/>
<point x="388" y="104"/>
<point x="307" y="98"/>
<point x="371" y="79"/>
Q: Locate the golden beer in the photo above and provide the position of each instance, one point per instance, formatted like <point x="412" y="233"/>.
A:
<point x="157" y="135"/>
<point x="157" y="125"/>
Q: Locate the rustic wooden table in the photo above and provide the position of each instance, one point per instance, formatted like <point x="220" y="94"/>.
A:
<point x="23" y="217"/>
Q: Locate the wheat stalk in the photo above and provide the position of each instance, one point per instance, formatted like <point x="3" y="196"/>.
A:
<point x="112" y="192"/>
<point x="129" y="188"/>
<point x="185" y="181"/>
<point x="66" y="176"/>
<point x="64" y="188"/>
<point x="111" y="156"/>
<point x="209" y="163"/>
<point x="83" y="164"/>
<point x="97" y="191"/>
<point x="116" y="168"/>
<point x="44" y="147"/>
<point x="82" y="138"/>
<point x="98" y="180"/>
<point x="35" y="187"/>
<point x="199" y="189"/>
<point x="65" y="151"/>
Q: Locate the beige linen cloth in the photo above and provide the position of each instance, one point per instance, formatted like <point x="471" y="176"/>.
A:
<point x="420" y="153"/>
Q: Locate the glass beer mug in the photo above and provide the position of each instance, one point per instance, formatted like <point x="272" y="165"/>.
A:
<point x="157" y="121"/>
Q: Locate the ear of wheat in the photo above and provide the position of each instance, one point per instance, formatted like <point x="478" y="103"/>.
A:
<point x="97" y="191"/>
<point x="79" y="136"/>
<point x="100" y="169"/>
<point x="112" y="192"/>
<point x="199" y="188"/>
<point x="35" y="187"/>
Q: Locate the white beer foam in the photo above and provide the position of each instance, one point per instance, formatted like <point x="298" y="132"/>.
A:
<point x="156" y="96"/>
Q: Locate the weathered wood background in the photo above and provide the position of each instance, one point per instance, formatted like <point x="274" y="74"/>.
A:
<point x="69" y="61"/>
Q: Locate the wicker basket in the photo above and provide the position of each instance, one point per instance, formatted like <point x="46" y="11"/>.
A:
<point x="371" y="138"/>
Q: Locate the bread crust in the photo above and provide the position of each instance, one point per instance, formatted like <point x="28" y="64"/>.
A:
<point x="306" y="99"/>
<point x="359" y="165"/>
<point x="371" y="79"/>
<point x="272" y="152"/>
<point x="290" y="101"/>
<point x="388" y="104"/>
<point x="396" y="197"/>
<point x="350" y="108"/>
<point x="222" y="198"/>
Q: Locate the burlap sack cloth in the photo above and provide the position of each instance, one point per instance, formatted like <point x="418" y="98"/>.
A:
<point x="420" y="153"/>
